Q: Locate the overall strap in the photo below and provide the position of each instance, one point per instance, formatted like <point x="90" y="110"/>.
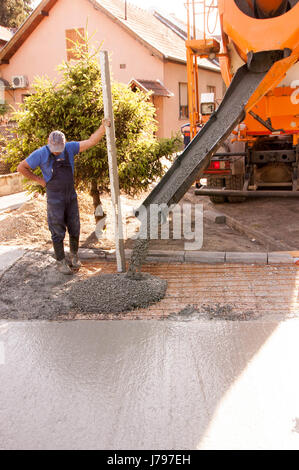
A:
<point x="51" y="156"/>
<point x="67" y="157"/>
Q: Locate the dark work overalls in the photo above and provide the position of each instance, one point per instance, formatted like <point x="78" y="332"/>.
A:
<point x="62" y="205"/>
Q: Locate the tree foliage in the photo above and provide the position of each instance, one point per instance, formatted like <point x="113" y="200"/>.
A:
<point x="75" y="106"/>
<point x="14" y="12"/>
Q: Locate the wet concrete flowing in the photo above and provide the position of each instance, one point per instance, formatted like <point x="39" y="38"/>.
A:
<point x="138" y="257"/>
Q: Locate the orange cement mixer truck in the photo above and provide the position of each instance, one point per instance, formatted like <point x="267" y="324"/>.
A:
<point x="258" y="54"/>
<point x="261" y="155"/>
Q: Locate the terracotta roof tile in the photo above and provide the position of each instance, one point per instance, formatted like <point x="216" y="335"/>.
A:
<point x="151" y="30"/>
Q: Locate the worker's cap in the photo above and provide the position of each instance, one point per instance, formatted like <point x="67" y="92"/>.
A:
<point x="57" y="142"/>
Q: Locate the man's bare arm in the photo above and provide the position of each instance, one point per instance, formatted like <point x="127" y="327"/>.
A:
<point x="95" y="138"/>
<point x="26" y="171"/>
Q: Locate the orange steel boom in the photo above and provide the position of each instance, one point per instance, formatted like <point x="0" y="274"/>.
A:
<point x="249" y="27"/>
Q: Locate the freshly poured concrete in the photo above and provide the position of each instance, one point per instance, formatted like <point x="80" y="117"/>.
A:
<point x="149" y="385"/>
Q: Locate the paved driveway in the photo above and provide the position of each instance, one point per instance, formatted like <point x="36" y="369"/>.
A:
<point x="195" y="384"/>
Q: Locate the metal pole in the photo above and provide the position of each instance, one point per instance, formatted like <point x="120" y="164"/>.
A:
<point x="188" y="20"/>
<point x="194" y="25"/>
<point x="112" y="160"/>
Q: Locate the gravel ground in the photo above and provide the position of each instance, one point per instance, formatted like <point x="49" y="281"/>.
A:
<point x="27" y="226"/>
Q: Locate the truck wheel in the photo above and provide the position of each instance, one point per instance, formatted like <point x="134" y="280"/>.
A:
<point x="235" y="182"/>
<point x="216" y="183"/>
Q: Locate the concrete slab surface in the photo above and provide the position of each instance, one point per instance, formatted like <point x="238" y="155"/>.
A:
<point x="149" y="385"/>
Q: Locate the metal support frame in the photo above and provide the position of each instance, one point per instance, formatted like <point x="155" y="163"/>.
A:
<point x="192" y="65"/>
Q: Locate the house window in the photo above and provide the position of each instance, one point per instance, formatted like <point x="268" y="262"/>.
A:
<point x="72" y="36"/>
<point x="183" y="97"/>
<point x="211" y="89"/>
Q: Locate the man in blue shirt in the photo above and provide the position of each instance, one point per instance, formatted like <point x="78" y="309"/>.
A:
<point x="56" y="161"/>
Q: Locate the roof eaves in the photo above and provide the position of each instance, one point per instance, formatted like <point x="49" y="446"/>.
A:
<point x="163" y="91"/>
<point x="136" y="82"/>
<point x="169" y="93"/>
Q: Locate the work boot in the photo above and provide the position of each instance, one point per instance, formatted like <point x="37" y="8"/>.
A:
<point x="63" y="267"/>
<point x="74" y="261"/>
<point x="58" y="250"/>
<point x="74" y="246"/>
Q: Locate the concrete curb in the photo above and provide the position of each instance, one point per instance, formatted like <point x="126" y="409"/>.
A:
<point x="204" y="257"/>
<point x="179" y="257"/>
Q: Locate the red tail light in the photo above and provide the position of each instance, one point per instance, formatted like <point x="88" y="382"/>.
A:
<point x="219" y="165"/>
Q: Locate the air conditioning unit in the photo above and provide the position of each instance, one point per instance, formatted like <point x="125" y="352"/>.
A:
<point x="19" y="81"/>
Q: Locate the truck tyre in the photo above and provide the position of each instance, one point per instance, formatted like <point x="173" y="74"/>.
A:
<point x="235" y="182"/>
<point x="216" y="183"/>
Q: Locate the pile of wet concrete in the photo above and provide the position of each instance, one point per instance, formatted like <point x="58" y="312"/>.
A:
<point x="116" y="293"/>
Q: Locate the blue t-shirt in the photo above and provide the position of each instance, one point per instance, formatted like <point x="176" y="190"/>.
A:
<point x="41" y="158"/>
